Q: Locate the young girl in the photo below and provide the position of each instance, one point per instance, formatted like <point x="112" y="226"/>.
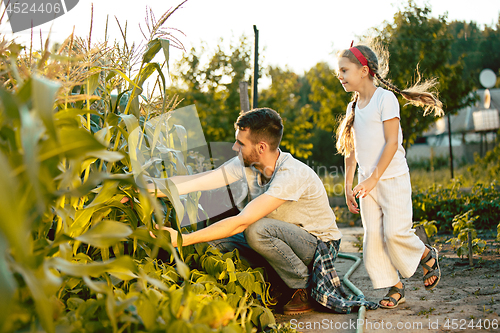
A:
<point x="370" y="135"/>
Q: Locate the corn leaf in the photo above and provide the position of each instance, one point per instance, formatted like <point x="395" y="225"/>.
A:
<point x="44" y="97"/>
<point x="73" y="142"/>
<point x="153" y="48"/>
<point x="105" y="234"/>
<point x="10" y="105"/>
<point x="165" y="45"/>
<point x="7" y="283"/>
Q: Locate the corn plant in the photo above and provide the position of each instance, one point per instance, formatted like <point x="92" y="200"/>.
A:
<point x="77" y="135"/>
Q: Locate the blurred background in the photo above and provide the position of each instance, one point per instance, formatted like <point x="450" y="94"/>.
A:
<point x="452" y="41"/>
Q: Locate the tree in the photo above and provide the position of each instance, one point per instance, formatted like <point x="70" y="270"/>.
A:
<point x="478" y="48"/>
<point x="288" y="95"/>
<point x="414" y="40"/>
<point x="329" y="101"/>
<point x="214" y="87"/>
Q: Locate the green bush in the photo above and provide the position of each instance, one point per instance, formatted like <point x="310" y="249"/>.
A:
<point x="488" y="166"/>
<point x="438" y="203"/>
<point x="463" y="225"/>
<point x="442" y="204"/>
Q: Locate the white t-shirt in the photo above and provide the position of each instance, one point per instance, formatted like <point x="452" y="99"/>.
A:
<point x="306" y="200"/>
<point x="369" y="140"/>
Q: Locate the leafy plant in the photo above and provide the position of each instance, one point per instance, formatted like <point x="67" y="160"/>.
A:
<point x="77" y="135"/>
<point x="443" y="203"/>
<point x="462" y="225"/>
<point x="438" y="203"/>
<point x="429" y="226"/>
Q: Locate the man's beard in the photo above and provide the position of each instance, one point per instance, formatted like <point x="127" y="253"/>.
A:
<point x="251" y="159"/>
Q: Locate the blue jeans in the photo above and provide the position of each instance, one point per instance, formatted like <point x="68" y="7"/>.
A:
<point x="287" y="248"/>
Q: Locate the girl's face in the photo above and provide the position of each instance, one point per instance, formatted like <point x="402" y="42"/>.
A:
<point x="349" y="74"/>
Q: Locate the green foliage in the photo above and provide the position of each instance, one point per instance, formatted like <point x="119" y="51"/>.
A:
<point x="485" y="202"/>
<point x="438" y="203"/>
<point x="429" y="164"/>
<point x="429" y="226"/>
<point x="288" y="96"/>
<point x="214" y="86"/>
<point x="443" y="203"/>
<point x="76" y="137"/>
<point x="282" y="328"/>
<point x="415" y="39"/>
<point x="477" y="47"/>
<point x="329" y="101"/>
<point x="487" y="166"/>
<point x="463" y="225"/>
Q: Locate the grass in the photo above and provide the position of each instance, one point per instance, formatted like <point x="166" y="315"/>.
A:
<point x="423" y="178"/>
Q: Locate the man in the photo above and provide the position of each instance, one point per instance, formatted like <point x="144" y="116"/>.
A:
<point x="288" y="209"/>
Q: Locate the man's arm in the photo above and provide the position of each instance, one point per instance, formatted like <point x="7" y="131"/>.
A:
<point x="254" y="211"/>
<point x="204" y="181"/>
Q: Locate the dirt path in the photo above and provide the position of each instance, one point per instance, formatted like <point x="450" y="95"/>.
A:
<point x="466" y="299"/>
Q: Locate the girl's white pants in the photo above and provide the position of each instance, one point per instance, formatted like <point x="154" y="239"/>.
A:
<point x="390" y="244"/>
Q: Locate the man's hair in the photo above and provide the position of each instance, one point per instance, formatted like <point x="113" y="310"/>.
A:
<point x="264" y="124"/>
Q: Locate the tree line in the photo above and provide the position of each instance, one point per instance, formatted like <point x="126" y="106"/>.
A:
<point x="310" y="103"/>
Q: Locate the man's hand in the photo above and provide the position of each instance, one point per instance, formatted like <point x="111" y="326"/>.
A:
<point x="173" y="234"/>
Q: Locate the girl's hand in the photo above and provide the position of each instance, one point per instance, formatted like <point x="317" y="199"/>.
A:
<point x="351" y="201"/>
<point x="362" y="189"/>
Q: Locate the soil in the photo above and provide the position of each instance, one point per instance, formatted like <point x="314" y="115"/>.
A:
<point x="467" y="299"/>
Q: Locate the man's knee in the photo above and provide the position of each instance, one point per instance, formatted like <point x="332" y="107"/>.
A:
<point x="256" y="232"/>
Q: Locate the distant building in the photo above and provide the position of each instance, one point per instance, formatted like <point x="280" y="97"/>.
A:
<point x="474" y="129"/>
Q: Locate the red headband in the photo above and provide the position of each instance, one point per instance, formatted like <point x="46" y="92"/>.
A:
<point x="361" y="58"/>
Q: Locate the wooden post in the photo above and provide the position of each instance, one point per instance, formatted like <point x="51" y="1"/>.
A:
<point x="469" y="239"/>
<point x="480" y="144"/>
<point x="255" y="92"/>
<point x="244" y="101"/>
<point x="451" y="149"/>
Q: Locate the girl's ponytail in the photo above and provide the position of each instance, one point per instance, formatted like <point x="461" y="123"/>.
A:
<point x="418" y="95"/>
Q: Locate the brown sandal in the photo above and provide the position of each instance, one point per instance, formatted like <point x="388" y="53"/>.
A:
<point x="431" y="271"/>
<point x="393" y="291"/>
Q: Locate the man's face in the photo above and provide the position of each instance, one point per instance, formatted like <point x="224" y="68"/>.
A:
<point x="248" y="149"/>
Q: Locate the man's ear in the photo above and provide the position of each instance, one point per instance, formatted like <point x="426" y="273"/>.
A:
<point x="263" y="146"/>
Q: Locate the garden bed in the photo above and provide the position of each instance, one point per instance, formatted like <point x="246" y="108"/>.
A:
<point x="465" y="296"/>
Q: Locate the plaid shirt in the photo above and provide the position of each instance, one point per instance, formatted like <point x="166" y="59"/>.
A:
<point x="326" y="287"/>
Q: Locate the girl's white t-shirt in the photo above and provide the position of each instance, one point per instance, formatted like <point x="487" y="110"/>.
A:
<point x="369" y="140"/>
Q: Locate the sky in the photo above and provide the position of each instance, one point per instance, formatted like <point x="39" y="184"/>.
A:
<point x="293" y="33"/>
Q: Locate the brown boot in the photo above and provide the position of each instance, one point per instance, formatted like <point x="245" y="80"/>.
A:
<point x="299" y="303"/>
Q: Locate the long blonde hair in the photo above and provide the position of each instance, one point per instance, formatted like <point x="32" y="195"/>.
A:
<point x="419" y="94"/>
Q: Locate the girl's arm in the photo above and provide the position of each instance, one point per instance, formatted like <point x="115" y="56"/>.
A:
<point x="350" y="170"/>
<point x="391" y="130"/>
